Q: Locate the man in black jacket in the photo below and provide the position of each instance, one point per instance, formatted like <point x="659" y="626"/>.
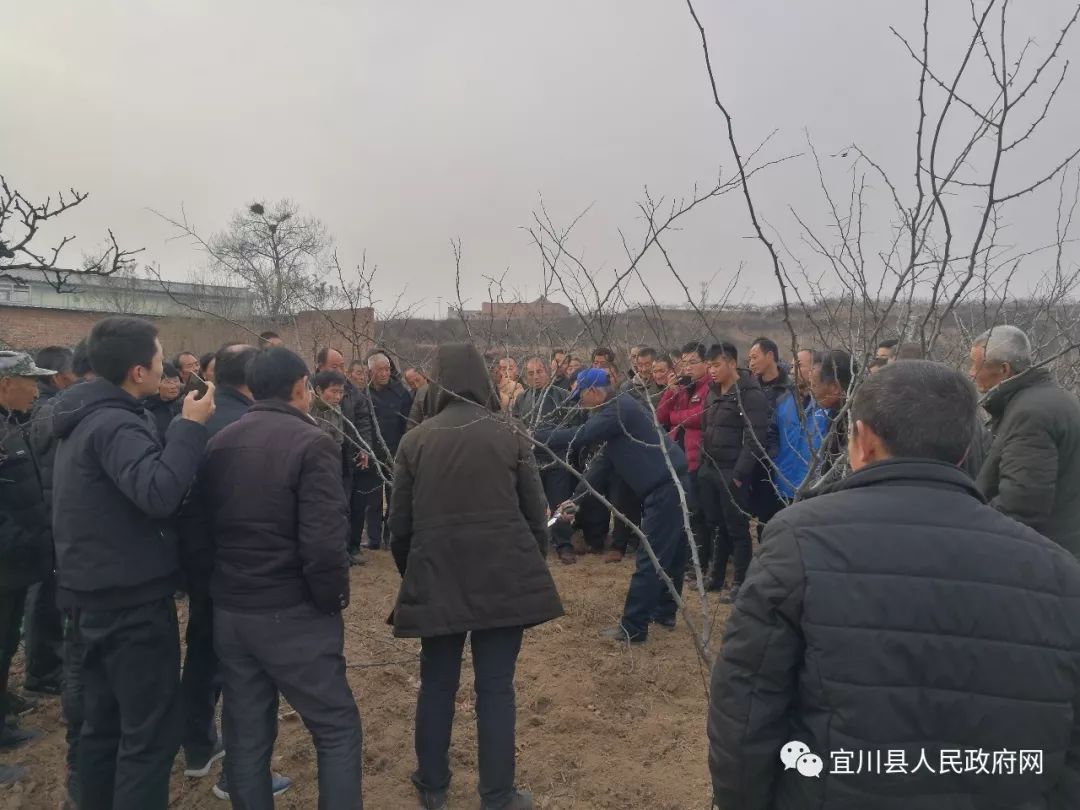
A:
<point x="544" y="405"/>
<point x="270" y="511"/>
<point x="25" y="537"/>
<point x="734" y="437"/>
<point x="390" y="403"/>
<point x="115" y="492"/>
<point x="200" y="683"/>
<point x="1032" y="470"/>
<point x="358" y="445"/>
<point x="901" y="634"/>
<point x="44" y="627"/>
<point x="776" y="383"/>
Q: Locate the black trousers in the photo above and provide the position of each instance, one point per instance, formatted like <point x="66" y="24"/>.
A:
<point x="297" y="652"/>
<point x="626" y="501"/>
<point x="728" y="512"/>
<point x="200" y="683"/>
<point x="44" y="635"/>
<point x="700" y="501"/>
<point x="366" y="508"/>
<point x="71" y="699"/>
<point x="495" y="655"/>
<point x="558" y="488"/>
<point x="594" y="520"/>
<point x="12" y="605"/>
<point x="131" y="724"/>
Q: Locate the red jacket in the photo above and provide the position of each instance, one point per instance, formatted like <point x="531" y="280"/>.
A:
<point x="682" y="408"/>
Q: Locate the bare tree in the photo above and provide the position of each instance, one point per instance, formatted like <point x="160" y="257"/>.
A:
<point x="277" y="252"/>
<point x="20" y="250"/>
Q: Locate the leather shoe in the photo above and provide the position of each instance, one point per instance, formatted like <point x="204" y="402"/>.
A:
<point x="567" y="556"/>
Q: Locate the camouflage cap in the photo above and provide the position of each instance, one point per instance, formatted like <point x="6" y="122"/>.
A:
<point x="20" y="364"/>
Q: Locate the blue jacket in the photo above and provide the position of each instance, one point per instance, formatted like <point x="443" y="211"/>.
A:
<point x="632" y="448"/>
<point x="798" y="443"/>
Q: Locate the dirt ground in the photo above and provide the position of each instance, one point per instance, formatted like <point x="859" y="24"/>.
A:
<point x="599" y="725"/>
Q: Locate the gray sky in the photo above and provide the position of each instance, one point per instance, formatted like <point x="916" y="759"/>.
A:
<point x="405" y="124"/>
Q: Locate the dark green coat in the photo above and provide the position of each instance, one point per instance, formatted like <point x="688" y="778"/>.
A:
<point x="25" y="530"/>
<point x="467" y="514"/>
<point x="1032" y="471"/>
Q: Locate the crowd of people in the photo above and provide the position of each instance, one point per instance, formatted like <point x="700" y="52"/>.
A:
<point x="915" y="582"/>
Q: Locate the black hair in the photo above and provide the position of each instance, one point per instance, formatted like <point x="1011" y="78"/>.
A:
<point x="889" y="344"/>
<point x="647" y="351"/>
<point x="694" y="347"/>
<point x="80" y="361"/>
<point x="232" y="364"/>
<point x="664" y="357"/>
<point x="324" y="379"/>
<point x="354" y="363"/>
<point x="273" y="372"/>
<point x="768" y="346"/>
<point x="169" y="371"/>
<point x="555" y="352"/>
<point x="56" y="358"/>
<point x="176" y="360"/>
<point x="119" y="344"/>
<point x="205" y="361"/>
<point x="605" y="352"/>
<point x="321" y="355"/>
<point x="919" y="409"/>
<point x="267" y="336"/>
<point x="723" y="349"/>
<point x="838" y="366"/>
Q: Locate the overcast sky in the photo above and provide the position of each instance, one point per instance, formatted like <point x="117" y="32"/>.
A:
<point x="405" y="124"/>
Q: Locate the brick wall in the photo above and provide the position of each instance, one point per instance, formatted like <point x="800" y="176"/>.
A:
<point x="29" y="328"/>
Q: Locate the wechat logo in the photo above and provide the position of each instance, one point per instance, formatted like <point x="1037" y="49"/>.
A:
<point x="798" y="755"/>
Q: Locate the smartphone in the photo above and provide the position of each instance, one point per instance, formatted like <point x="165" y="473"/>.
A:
<point x="194" y="383"/>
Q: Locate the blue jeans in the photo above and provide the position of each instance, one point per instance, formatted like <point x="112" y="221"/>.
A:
<point x="648" y="597"/>
<point x="495" y="655"/>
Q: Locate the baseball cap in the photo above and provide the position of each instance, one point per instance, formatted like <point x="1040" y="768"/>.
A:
<point x="20" y="364"/>
<point x="591" y="378"/>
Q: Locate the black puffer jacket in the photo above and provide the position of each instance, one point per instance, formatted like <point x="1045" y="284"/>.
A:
<point x="356" y="407"/>
<point x="467" y="513"/>
<point x="42" y="438"/>
<point x="25" y="533"/>
<point x="162" y="413"/>
<point x="390" y="406"/>
<point x="268" y="514"/>
<point x="115" y="492"/>
<point x="1032" y="471"/>
<point x="899" y="612"/>
<point x="735" y="427"/>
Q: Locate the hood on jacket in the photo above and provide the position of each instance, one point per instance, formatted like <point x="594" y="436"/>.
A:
<point x="997" y="398"/>
<point x="461" y="374"/>
<point x="78" y="401"/>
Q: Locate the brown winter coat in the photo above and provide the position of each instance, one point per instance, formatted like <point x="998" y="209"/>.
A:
<point x="467" y="514"/>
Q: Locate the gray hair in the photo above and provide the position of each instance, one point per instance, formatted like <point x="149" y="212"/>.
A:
<point x="1006" y="344"/>
<point x="376" y="359"/>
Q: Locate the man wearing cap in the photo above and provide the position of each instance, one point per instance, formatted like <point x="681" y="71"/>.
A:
<point x="645" y="458"/>
<point x="25" y="532"/>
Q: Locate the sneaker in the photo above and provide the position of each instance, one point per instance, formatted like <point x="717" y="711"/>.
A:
<point x="567" y="556"/>
<point x="18" y="705"/>
<point x="42" y="688"/>
<point x="617" y="633"/>
<point x="10" y="774"/>
<point x="278" y="784"/>
<point x="613" y="556"/>
<point x="199" y="766"/>
<point x="522" y="800"/>
<point x="11" y="738"/>
<point x="732" y="594"/>
<point x="357" y="558"/>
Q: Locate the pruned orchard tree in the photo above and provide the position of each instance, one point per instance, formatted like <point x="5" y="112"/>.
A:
<point x="22" y="251"/>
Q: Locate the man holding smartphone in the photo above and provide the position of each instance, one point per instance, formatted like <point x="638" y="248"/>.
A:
<point x="115" y="492"/>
